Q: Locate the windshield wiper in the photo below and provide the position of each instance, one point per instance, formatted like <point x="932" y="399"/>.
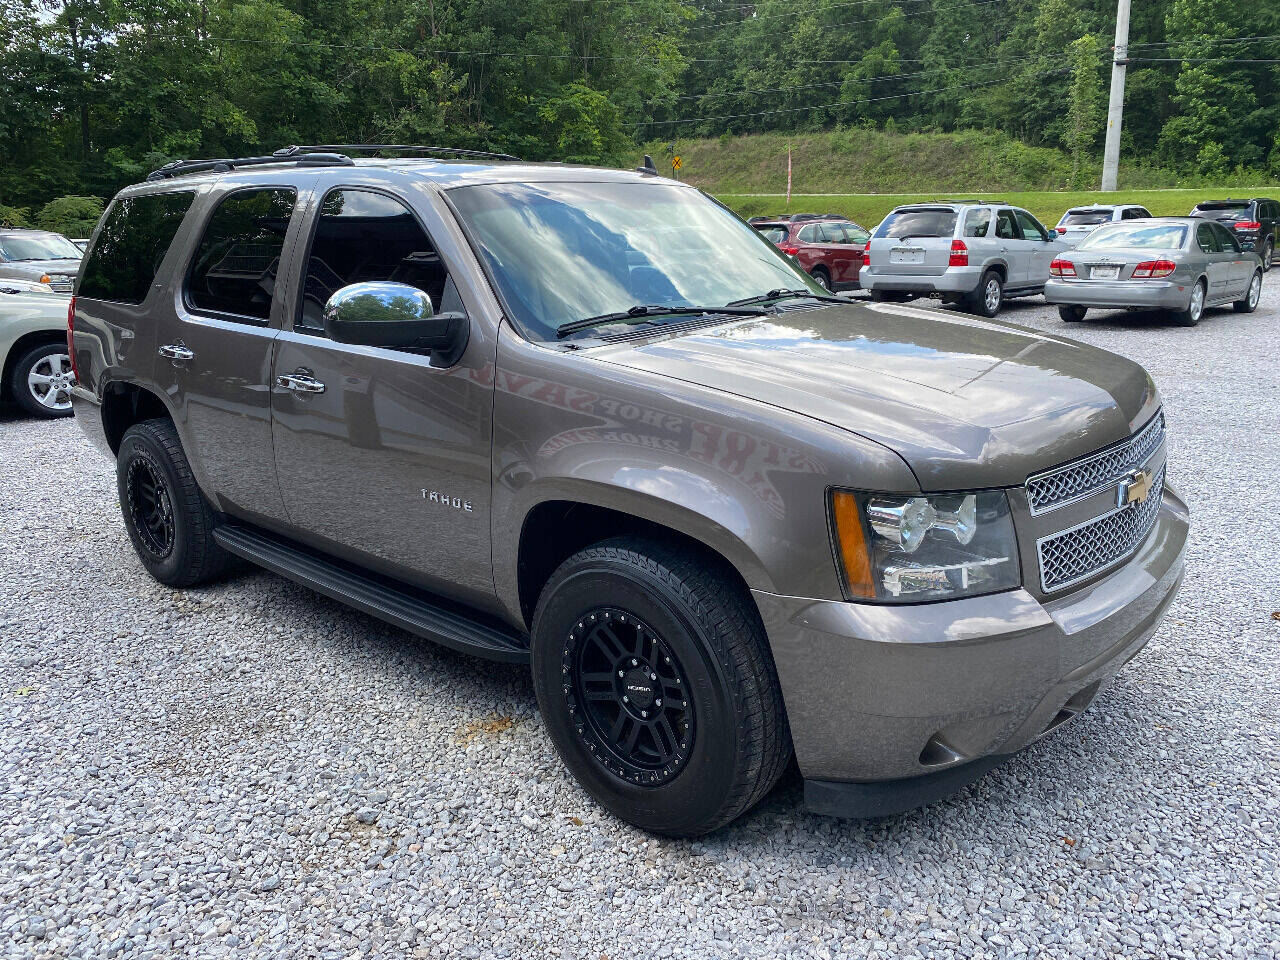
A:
<point x="640" y="312"/>
<point x="782" y="294"/>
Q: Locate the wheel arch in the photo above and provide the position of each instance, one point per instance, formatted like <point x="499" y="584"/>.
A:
<point x="19" y="347"/>
<point x="124" y="404"/>
<point x="555" y="528"/>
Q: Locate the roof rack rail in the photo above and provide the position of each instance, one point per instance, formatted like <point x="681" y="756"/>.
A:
<point x="178" y="168"/>
<point x="311" y="149"/>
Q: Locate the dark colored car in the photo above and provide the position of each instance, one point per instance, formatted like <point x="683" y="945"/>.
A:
<point x="828" y="248"/>
<point x="588" y="421"/>
<point x="1255" y="223"/>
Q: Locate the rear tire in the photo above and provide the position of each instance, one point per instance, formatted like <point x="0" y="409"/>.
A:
<point x="1251" y="298"/>
<point x="1195" y="308"/>
<point x="662" y="621"/>
<point x="41" y="381"/>
<point x="1072" y="314"/>
<point x="822" y="278"/>
<point x="1268" y="256"/>
<point x="168" y="519"/>
<point x="985" y="300"/>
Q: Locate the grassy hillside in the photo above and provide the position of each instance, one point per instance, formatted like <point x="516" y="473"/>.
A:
<point x="1048" y="206"/>
<point x="852" y="161"/>
<point x="863" y="174"/>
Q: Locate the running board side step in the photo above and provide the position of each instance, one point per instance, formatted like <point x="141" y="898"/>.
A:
<point x="397" y="603"/>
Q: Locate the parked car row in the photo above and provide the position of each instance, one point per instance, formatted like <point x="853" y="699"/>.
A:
<point x="980" y="253"/>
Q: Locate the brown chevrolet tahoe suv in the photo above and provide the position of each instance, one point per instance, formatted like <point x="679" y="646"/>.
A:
<point x="591" y="421"/>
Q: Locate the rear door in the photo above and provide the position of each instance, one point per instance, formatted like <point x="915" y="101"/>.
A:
<point x="1218" y="268"/>
<point x="1012" y="248"/>
<point x="839" y="254"/>
<point x="1241" y="267"/>
<point x="383" y="458"/>
<point x="215" y="361"/>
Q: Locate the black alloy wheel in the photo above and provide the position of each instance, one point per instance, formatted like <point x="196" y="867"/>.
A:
<point x="151" y="508"/>
<point x="628" y="694"/>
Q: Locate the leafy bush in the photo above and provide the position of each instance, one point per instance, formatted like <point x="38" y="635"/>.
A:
<point x="14" y="216"/>
<point x="70" y="216"/>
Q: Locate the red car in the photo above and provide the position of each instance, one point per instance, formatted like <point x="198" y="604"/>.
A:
<point x="829" y="249"/>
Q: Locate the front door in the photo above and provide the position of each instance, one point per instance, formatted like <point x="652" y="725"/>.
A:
<point x="385" y="459"/>
<point x="215" y="361"/>
<point x="1039" y="245"/>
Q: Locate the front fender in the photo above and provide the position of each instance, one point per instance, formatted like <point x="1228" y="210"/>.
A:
<point x="748" y="479"/>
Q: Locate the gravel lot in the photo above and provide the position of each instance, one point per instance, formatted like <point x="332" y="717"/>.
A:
<point x="250" y="770"/>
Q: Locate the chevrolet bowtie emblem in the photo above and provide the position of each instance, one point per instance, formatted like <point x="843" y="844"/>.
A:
<point x="1134" y="487"/>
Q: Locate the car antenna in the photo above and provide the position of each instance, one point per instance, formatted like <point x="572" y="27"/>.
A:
<point x="648" y="167"/>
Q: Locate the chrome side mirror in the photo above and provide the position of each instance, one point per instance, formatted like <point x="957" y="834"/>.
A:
<point x="396" y="316"/>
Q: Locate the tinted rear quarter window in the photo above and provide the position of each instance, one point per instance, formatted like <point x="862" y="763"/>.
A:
<point x="234" y="269"/>
<point x="135" y="235"/>
<point x="1085" y="218"/>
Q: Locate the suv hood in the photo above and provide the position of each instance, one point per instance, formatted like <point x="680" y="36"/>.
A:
<point x="966" y="402"/>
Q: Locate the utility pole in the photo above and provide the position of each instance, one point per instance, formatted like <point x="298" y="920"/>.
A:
<point x="1115" y="107"/>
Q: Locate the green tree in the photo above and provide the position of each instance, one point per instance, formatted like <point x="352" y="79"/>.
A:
<point x="1084" y="104"/>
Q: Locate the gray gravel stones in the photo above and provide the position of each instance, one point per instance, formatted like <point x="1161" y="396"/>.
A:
<point x="250" y="770"/>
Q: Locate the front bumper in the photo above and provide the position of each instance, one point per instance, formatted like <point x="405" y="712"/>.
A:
<point x="876" y="693"/>
<point x="953" y="280"/>
<point x="1120" y="294"/>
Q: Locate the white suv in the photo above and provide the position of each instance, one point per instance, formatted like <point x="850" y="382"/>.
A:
<point x="1078" y="222"/>
<point x="978" y="253"/>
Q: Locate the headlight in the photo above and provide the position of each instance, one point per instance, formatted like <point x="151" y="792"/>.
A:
<point x="895" y="549"/>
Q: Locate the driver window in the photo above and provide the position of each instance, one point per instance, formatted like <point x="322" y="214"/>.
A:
<point x="1006" y="229"/>
<point x="362" y="236"/>
<point x="1207" y="239"/>
<point x="1031" y="229"/>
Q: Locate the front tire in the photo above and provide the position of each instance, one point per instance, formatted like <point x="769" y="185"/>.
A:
<point x="1195" y="307"/>
<point x="655" y="681"/>
<point x="1072" y="314"/>
<point x="168" y="519"/>
<point x="985" y="300"/>
<point x="1251" y="298"/>
<point x="41" y="381"/>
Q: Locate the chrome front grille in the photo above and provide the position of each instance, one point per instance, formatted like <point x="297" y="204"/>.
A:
<point x="1066" y="484"/>
<point x="1088" y="548"/>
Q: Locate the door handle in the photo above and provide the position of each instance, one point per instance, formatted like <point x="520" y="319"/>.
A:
<point x="177" y="351"/>
<point x="299" y="383"/>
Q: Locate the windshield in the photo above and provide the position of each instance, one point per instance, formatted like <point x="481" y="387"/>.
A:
<point x="918" y="223"/>
<point x="38" y="246"/>
<point x="560" y="252"/>
<point x="1165" y="236"/>
<point x="1085" y="218"/>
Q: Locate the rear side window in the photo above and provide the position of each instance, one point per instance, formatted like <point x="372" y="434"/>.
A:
<point x="234" y="269"/>
<point x="134" y="237"/>
<point x="808" y="233"/>
<point x="977" y="222"/>
<point x="1207" y="239"/>
<point x="1226" y="241"/>
<point x="918" y="223"/>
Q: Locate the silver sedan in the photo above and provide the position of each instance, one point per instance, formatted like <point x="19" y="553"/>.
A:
<point x="1176" y="264"/>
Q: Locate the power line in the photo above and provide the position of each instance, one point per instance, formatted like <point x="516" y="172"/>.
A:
<point x="1197" y="60"/>
<point x="946" y="68"/>
<point x="1207" y="41"/>
<point x="804" y="10"/>
<point x="832" y="26"/>
<point x="843" y="103"/>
